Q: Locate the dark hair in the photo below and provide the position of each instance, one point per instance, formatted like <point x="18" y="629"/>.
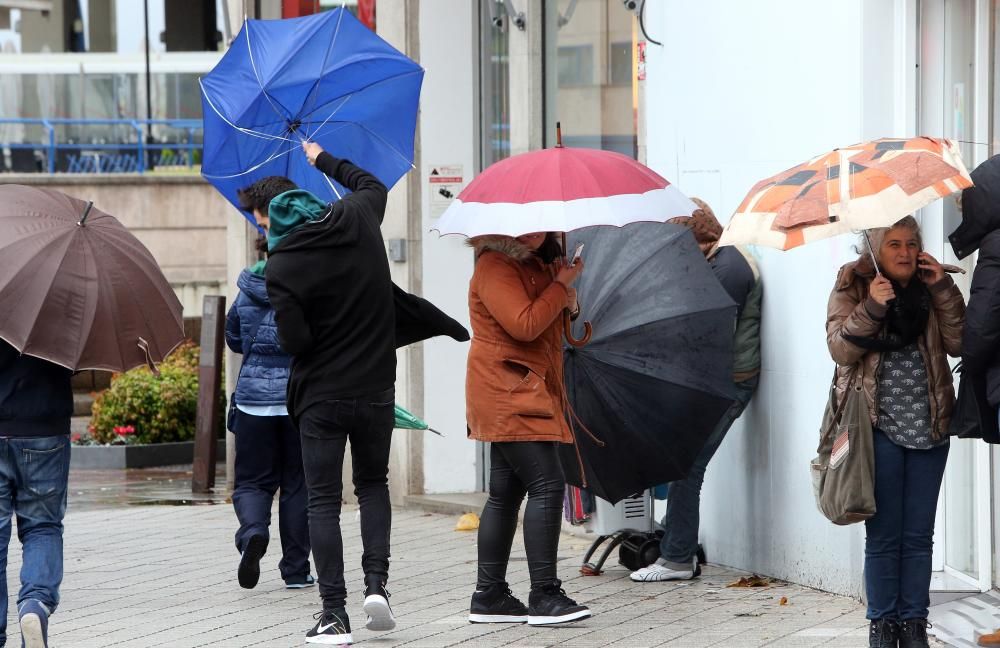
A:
<point x="261" y="246"/>
<point x="260" y="194"/>
<point x="550" y="249"/>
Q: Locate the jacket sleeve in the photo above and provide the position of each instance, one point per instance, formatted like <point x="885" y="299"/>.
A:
<point x="367" y="192"/>
<point x="949" y="306"/>
<point x="234" y="340"/>
<point x="846" y="315"/>
<point x="294" y="333"/>
<point x="503" y="294"/>
<point x="981" y="334"/>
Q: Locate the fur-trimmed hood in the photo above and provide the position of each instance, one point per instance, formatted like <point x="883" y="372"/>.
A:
<point x="506" y="245"/>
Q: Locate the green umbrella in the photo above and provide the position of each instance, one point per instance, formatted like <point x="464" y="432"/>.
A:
<point x="407" y="421"/>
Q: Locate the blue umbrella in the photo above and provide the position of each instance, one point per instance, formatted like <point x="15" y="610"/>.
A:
<point x="324" y="78"/>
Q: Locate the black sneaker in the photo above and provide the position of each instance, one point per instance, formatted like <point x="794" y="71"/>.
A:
<point x="300" y="581"/>
<point x="332" y="628"/>
<point x="549" y="605"/>
<point x="377" y="605"/>
<point x="496" y="604"/>
<point x="249" y="572"/>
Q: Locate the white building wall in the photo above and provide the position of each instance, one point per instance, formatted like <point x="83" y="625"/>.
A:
<point x="448" y="134"/>
<point x="738" y="92"/>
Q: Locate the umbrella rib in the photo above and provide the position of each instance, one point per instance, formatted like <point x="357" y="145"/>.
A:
<point x="272" y="158"/>
<point x="419" y="70"/>
<point x="390" y="146"/>
<point x="245" y="131"/>
<point x="52" y="281"/>
<point x="342" y="104"/>
<point x="313" y="91"/>
<point x="256" y="74"/>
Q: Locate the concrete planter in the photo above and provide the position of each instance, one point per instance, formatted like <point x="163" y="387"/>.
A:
<point x="135" y="456"/>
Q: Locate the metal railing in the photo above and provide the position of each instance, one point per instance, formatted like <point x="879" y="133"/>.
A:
<point x="106" y="157"/>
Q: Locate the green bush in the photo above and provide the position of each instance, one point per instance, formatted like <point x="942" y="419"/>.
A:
<point x="142" y="408"/>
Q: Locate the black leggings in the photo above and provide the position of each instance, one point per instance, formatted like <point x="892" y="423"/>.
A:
<point x="517" y="468"/>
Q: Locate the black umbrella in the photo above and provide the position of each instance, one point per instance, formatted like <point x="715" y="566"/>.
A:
<point x="656" y="377"/>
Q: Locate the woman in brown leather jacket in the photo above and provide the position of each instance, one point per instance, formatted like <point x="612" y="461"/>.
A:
<point x="515" y="400"/>
<point x="891" y="333"/>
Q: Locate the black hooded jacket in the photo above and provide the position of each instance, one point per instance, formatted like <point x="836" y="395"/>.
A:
<point x="980" y="229"/>
<point x="36" y="396"/>
<point x="338" y="313"/>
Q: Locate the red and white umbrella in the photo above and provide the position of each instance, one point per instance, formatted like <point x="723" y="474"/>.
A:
<point x="559" y="190"/>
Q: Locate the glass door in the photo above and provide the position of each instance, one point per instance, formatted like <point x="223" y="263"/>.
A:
<point x="946" y="108"/>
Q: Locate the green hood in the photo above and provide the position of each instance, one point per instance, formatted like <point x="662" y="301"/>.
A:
<point x="257" y="268"/>
<point x="289" y="211"/>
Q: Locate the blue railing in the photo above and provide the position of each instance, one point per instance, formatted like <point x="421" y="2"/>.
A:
<point x="104" y="157"/>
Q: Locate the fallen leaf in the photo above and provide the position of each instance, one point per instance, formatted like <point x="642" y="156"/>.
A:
<point x="468" y="522"/>
<point x="991" y="639"/>
<point x="750" y="581"/>
<point x="783" y="600"/>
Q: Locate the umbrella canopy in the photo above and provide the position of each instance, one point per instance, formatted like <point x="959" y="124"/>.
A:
<point x="77" y="288"/>
<point x="407" y="421"/>
<point x="325" y="78"/>
<point x="656" y="377"/>
<point x="562" y="189"/>
<point x="859" y="187"/>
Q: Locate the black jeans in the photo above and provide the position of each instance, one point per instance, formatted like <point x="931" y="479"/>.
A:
<point x="517" y="468"/>
<point x="269" y="457"/>
<point x="325" y="428"/>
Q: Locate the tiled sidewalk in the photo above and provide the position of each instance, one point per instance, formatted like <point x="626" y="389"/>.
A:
<point x="155" y="575"/>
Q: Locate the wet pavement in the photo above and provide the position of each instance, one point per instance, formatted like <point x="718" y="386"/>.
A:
<point x="169" y="485"/>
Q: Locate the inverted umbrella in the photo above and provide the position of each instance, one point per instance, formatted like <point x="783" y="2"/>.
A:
<point x="858" y="187"/>
<point x="656" y="377"/>
<point x="407" y="421"/>
<point x="325" y="78"/>
<point x="77" y="288"/>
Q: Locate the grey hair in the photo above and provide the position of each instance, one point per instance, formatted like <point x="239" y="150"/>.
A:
<point x="877" y="235"/>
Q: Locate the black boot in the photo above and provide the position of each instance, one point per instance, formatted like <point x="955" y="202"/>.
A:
<point x="883" y="633"/>
<point x="913" y="633"/>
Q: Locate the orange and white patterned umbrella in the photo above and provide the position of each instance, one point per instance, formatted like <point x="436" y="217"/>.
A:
<point x="847" y="190"/>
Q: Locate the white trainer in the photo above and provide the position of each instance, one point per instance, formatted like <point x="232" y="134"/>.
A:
<point x="658" y="572"/>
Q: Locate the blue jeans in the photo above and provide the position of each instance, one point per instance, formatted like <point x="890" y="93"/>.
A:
<point x="680" y="538"/>
<point x="269" y="457"/>
<point x="900" y="537"/>
<point x="33" y="476"/>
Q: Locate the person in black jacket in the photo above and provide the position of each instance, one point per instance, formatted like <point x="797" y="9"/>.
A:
<point x="980" y="229"/>
<point x="341" y="319"/>
<point x="36" y="403"/>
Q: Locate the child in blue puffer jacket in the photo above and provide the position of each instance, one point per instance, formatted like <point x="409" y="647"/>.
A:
<point x="268" y="451"/>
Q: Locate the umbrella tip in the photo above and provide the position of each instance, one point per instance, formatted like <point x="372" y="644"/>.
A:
<point x="558" y="134"/>
<point x="86" y="212"/>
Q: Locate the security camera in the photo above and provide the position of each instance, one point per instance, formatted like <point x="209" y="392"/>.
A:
<point x="630" y="4"/>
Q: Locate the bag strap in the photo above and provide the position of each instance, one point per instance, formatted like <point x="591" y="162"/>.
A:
<point x="855" y="375"/>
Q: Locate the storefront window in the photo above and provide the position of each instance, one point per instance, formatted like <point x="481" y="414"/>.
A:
<point x="589" y="74"/>
<point x="494" y="84"/>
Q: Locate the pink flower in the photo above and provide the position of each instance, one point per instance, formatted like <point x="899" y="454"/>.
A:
<point x="124" y="430"/>
<point x="74" y="437"/>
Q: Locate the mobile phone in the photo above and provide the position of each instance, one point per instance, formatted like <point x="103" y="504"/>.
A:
<point x="576" y="254"/>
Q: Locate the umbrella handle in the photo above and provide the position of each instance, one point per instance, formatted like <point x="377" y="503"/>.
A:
<point x="588" y="331"/>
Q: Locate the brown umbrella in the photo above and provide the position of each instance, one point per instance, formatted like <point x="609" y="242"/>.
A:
<point x="77" y="288"/>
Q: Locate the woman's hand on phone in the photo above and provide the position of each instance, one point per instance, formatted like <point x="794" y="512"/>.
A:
<point x="929" y="270"/>
<point x="569" y="273"/>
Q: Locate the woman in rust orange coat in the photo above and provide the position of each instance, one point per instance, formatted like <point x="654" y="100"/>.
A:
<point x="515" y="400"/>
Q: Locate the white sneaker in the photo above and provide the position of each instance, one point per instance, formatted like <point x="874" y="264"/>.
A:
<point x="660" y="572"/>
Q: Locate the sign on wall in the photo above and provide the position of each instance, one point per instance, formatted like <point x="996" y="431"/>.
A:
<point x="444" y="183"/>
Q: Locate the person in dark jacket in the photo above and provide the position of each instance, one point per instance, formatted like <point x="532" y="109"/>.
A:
<point x="341" y="319"/>
<point x="738" y="274"/>
<point x="36" y="403"/>
<point x="980" y="230"/>
<point x="268" y="451"/>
